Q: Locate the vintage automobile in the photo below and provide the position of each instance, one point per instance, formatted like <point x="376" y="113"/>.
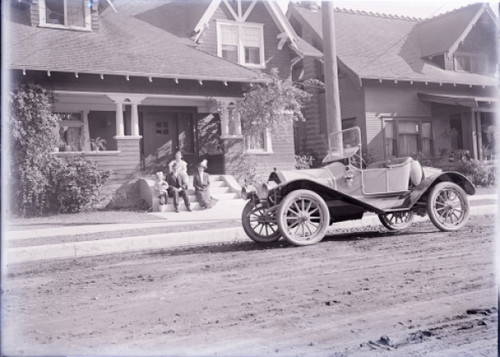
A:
<point x="300" y="205"/>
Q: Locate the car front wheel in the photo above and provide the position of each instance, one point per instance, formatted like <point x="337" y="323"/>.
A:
<point x="448" y="206"/>
<point x="303" y="217"/>
<point x="260" y="223"/>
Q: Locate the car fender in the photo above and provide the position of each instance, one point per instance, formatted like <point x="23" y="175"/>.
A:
<point x="433" y="180"/>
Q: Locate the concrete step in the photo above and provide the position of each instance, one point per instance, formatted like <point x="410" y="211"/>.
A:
<point x="220" y="209"/>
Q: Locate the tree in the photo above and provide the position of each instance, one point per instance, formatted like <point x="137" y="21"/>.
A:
<point x="272" y="105"/>
<point x="35" y="134"/>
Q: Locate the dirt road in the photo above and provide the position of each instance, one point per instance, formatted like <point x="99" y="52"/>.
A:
<point x="364" y="293"/>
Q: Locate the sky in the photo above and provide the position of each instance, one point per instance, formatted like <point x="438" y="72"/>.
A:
<point x="414" y="8"/>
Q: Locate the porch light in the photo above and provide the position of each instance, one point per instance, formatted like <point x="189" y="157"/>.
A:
<point x="150" y="79"/>
<point x="48" y="73"/>
<point x="24" y="71"/>
<point x="102" y="76"/>
<point x="76" y="74"/>
<point x="200" y="81"/>
<point x="225" y="83"/>
<point x="127" y="77"/>
<point x="176" y="80"/>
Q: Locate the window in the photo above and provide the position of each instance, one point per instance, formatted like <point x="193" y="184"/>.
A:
<point x="73" y="14"/>
<point x="71" y="132"/>
<point x="470" y="62"/>
<point x="241" y="43"/>
<point x="407" y="138"/>
<point x="258" y="143"/>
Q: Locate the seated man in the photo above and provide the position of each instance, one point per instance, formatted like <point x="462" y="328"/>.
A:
<point x="177" y="186"/>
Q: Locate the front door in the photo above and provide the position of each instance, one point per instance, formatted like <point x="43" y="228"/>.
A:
<point x="159" y="139"/>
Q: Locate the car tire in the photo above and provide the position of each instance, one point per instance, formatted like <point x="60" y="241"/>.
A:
<point x="397" y="221"/>
<point x="448" y="206"/>
<point x="258" y="223"/>
<point x="303" y="217"/>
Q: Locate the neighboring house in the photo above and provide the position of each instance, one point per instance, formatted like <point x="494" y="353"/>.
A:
<point x="151" y="77"/>
<point x="413" y="86"/>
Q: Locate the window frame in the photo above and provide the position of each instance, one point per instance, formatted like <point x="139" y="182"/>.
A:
<point x="480" y="61"/>
<point x="87" y="17"/>
<point x="74" y="124"/>
<point x="396" y="134"/>
<point x="240" y="46"/>
<point x="266" y="150"/>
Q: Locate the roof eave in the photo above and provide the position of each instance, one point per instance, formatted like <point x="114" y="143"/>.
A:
<point x="146" y="75"/>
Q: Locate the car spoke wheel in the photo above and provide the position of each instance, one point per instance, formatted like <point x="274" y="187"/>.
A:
<point x="303" y="217"/>
<point x="397" y="221"/>
<point x="259" y="223"/>
<point x="448" y="206"/>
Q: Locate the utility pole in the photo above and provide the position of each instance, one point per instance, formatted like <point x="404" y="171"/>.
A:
<point x="332" y="99"/>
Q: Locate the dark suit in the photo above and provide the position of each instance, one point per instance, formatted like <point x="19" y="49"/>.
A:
<point x="181" y="182"/>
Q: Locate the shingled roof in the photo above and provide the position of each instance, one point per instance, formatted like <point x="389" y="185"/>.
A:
<point x="382" y="46"/>
<point x="124" y="45"/>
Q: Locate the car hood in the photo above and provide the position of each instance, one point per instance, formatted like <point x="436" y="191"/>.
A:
<point x="320" y="175"/>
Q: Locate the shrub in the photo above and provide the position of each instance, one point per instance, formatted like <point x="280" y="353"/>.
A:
<point x="303" y="162"/>
<point x="77" y="186"/>
<point x="39" y="181"/>
<point x="476" y="171"/>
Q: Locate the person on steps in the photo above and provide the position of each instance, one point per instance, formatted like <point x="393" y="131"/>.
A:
<point x="177" y="187"/>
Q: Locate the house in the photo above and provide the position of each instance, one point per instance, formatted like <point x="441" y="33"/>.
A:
<point x="415" y="87"/>
<point x="150" y="77"/>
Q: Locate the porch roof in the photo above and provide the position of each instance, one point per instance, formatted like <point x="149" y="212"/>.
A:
<point x="455" y="99"/>
<point x="123" y="45"/>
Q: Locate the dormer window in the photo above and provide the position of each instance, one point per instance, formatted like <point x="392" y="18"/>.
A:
<point x="241" y="43"/>
<point x="71" y="14"/>
<point x="471" y="62"/>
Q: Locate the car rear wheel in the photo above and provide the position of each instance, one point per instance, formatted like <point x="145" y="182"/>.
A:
<point x="260" y="223"/>
<point x="448" y="206"/>
<point x="303" y="217"/>
<point x="397" y="221"/>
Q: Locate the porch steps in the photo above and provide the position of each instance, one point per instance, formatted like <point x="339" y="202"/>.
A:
<point x="219" y="189"/>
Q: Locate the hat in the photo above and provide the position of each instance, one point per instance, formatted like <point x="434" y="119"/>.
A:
<point x="203" y="164"/>
<point x="159" y="175"/>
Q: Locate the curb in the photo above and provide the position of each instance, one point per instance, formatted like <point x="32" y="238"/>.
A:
<point x="170" y="240"/>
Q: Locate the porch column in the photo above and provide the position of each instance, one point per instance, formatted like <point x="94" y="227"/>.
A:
<point x="120" y="130"/>
<point x="479" y="135"/>
<point x="237" y="122"/>
<point x="224" y="118"/>
<point x="86" y="131"/>
<point x="474" y="135"/>
<point x="134" y="120"/>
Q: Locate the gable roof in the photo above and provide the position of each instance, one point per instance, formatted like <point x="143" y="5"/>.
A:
<point x="124" y="45"/>
<point x="378" y="46"/>
<point x="443" y="33"/>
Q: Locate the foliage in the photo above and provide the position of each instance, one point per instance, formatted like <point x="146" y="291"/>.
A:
<point x="303" y="162"/>
<point x="34" y="134"/>
<point x="77" y="186"/>
<point x="478" y="172"/>
<point x="272" y="105"/>
<point x="249" y="173"/>
<point x="98" y="144"/>
<point x="422" y="159"/>
<point x="36" y="176"/>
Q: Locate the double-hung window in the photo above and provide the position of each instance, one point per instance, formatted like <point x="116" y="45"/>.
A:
<point x="407" y="137"/>
<point x="71" y="14"/>
<point x="71" y="132"/>
<point x="259" y="142"/>
<point x="241" y="43"/>
<point x="471" y="62"/>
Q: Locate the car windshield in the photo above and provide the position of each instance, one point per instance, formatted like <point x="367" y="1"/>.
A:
<point x="343" y="144"/>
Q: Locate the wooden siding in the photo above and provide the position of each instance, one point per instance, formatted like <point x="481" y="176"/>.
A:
<point x="280" y="59"/>
<point x="400" y="100"/>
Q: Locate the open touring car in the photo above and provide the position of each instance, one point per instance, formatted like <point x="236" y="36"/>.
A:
<point x="300" y="205"/>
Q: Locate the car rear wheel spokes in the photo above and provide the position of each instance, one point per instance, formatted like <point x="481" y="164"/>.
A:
<point x="448" y="206"/>
<point x="259" y="223"/>
<point x="396" y="221"/>
<point x="303" y="217"/>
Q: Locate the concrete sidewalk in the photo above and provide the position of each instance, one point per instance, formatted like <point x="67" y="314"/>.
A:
<point x="480" y="204"/>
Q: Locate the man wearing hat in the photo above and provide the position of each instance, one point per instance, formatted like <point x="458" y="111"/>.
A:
<point x="201" y="183"/>
<point x="177" y="186"/>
